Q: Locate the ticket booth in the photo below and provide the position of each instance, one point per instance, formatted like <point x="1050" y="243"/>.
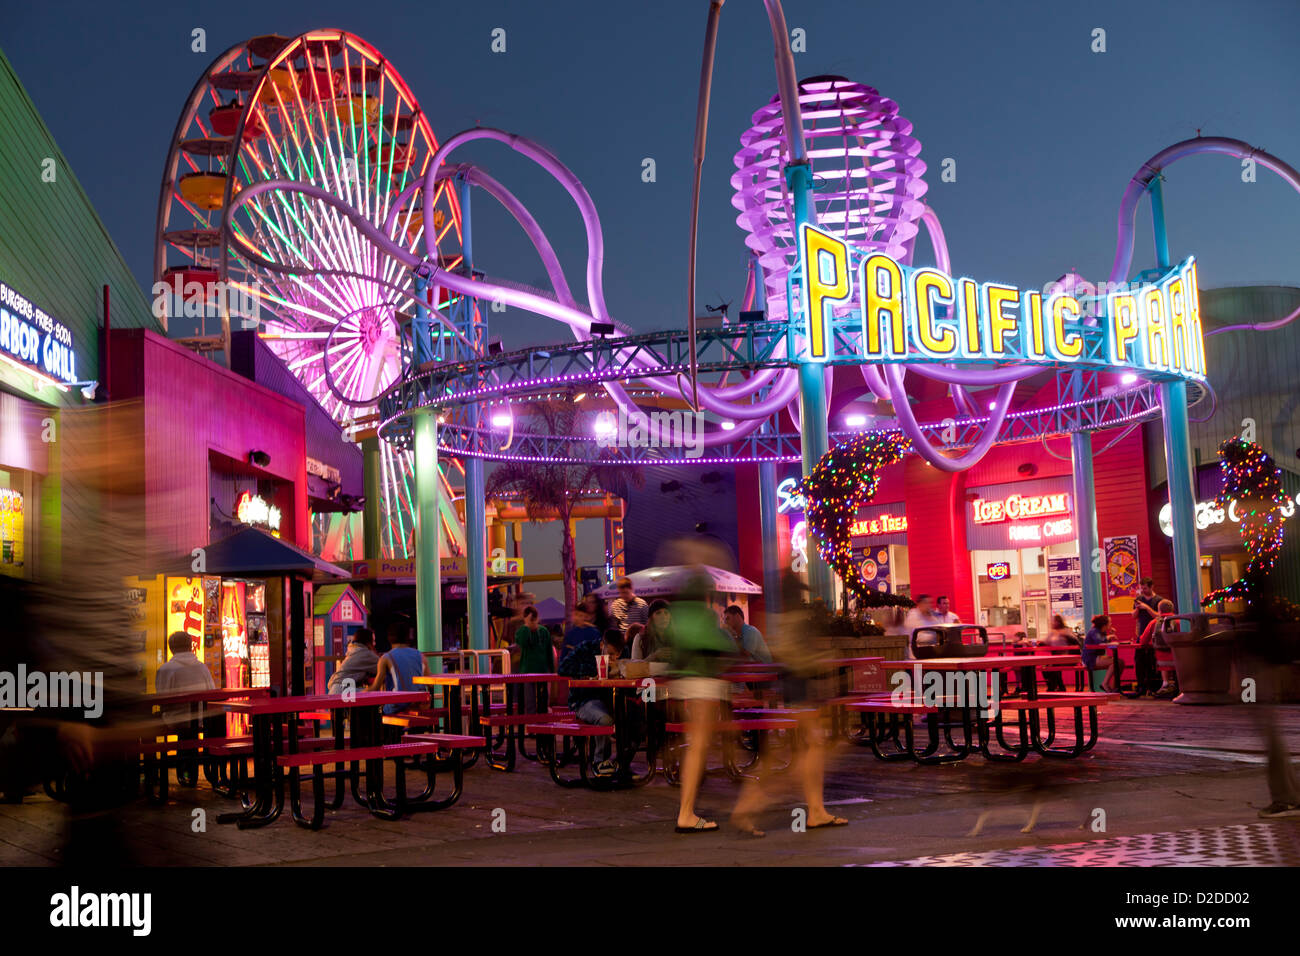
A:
<point x="337" y="613"/>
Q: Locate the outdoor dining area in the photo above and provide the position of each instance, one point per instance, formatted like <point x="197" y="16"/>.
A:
<point x="954" y="697"/>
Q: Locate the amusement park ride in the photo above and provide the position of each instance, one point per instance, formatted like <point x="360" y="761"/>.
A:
<point x="305" y="173"/>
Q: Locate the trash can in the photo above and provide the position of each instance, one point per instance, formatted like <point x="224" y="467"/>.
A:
<point x="949" y="640"/>
<point x="1204" y="648"/>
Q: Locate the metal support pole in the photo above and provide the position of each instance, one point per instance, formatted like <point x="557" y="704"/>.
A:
<point x="1085" y="517"/>
<point x="475" y="502"/>
<point x="475" y="554"/>
<point x="370" y="514"/>
<point x="767" y="505"/>
<point x="814" y="441"/>
<point x="1178" y="451"/>
<point x="428" y="570"/>
<point x="1182" y="495"/>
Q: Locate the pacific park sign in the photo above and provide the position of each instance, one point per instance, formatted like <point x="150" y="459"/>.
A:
<point x="920" y="314"/>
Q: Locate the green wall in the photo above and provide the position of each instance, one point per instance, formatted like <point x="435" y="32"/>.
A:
<point x="55" y="251"/>
<point x="53" y="247"/>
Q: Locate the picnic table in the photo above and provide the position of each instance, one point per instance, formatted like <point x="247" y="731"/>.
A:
<point x="622" y="690"/>
<point x="269" y="717"/>
<point x="987" y="725"/>
<point x="156" y="760"/>
<point x="482" y="719"/>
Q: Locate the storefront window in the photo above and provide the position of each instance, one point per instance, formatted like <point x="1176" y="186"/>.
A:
<point x="15" y="526"/>
<point x="1019" y="590"/>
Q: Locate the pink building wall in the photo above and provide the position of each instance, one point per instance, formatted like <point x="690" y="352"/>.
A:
<point x="191" y="408"/>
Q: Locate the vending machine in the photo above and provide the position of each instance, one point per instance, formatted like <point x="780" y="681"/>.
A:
<point x="259" y="641"/>
<point x="234" y="647"/>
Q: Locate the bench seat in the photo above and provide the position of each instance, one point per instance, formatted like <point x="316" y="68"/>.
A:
<point x="514" y="720"/>
<point x="571" y="729"/>
<point x="739" y="726"/>
<point x="380" y="752"/>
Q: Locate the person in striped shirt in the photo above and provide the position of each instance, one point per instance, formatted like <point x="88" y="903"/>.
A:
<point x="627" y="608"/>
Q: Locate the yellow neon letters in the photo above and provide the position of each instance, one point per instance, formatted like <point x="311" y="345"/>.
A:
<point x="918" y="314"/>
<point x="826" y="268"/>
<point x="931" y="287"/>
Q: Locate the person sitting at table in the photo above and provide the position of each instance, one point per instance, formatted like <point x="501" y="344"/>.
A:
<point x="655" y="642"/>
<point x="1058" y="636"/>
<point x="1145" y="655"/>
<point x="360" y="664"/>
<point x="588" y="705"/>
<point x="749" y="639"/>
<point x="183" y="673"/>
<point x="580" y="630"/>
<point x="943" y="612"/>
<point x="1099" y="633"/>
<point x="629" y="639"/>
<point x="596" y="611"/>
<point x="400" y="666"/>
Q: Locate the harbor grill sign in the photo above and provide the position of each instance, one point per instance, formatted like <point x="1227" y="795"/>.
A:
<point x="923" y="315"/>
<point x="32" y="339"/>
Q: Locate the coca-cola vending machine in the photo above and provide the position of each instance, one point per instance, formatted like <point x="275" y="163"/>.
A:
<point x="234" y="646"/>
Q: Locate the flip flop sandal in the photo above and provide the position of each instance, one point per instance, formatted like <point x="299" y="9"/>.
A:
<point x="832" y="822"/>
<point x="701" y="826"/>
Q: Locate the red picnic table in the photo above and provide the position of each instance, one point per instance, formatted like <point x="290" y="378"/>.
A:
<point x="623" y="691"/>
<point x="156" y="759"/>
<point x="483" y="721"/>
<point x="1028" y="707"/>
<point x="270" y="742"/>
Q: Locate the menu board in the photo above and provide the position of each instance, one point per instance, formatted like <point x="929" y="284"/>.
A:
<point x="1065" y="588"/>
<point x="185" y="610"/>
<point x="11" y="532"/>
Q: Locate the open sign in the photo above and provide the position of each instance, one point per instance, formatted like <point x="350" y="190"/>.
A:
<point x="999" y="570"/>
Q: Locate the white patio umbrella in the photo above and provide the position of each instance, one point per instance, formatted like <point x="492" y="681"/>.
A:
<point x="666" y="581"/>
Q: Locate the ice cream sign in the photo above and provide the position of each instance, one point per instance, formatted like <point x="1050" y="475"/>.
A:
<point x="923" y="314"/>
<point x="34" y="341"/>
<point x="1016" y="507"/>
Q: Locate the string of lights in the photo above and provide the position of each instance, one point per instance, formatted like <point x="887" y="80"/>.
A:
<point x="1252" y="480"/>
<point x="847" y="477"/>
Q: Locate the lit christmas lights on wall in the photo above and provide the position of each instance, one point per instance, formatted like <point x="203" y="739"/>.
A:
<point x="846" y="478"/>
<point x="1253" y="483"/>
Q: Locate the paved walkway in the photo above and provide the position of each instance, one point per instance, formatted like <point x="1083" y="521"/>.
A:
<point x="1171" y="785"/>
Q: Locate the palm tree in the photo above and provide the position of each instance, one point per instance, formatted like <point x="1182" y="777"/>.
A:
<point x="552" y="490"/>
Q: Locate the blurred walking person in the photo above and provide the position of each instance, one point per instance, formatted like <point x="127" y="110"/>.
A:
<point x="804" y="687"/>
<point x="699" y="653"/>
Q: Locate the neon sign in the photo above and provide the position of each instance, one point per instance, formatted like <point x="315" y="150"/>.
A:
<point x="253" y="509"/>
<point x="998" y="570"/>
<point x="786" y="499"/>
<point x="1013" y="507"/>
<point x="35" y="340"/>
<point x="1208" y="514"/>
<point x="885" y="524"/>
<point x="1047" y="531"/>
<point x="919" y="314"/>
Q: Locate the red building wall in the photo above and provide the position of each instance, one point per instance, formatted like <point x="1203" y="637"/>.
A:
<point x="936" y="534"/>
<point x="193" y="407"/>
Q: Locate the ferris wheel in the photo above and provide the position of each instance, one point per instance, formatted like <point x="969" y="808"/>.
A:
<point x="325" y="109"/>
